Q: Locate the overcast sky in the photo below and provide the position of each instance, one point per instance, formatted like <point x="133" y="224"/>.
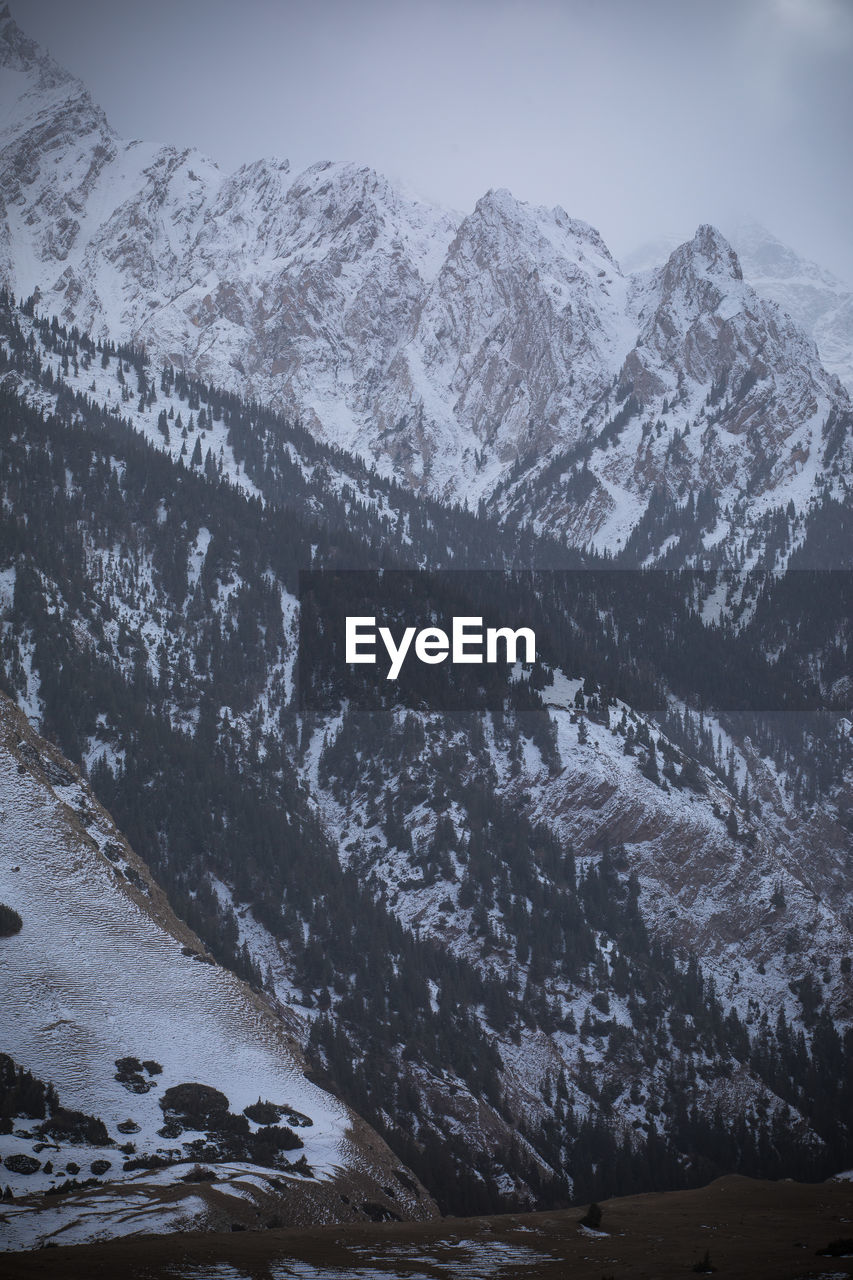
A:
<point x="645" y="117"/>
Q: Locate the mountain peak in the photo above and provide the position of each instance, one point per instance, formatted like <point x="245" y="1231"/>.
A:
<point x="263" y="169"/>
<point x="14" y="45"/>
<point x="715" y="252"/>
<point x="344" y="179"/>
<point x="708" y="258"/>
<point x="505" y="205"/>
<point x="18" y="52"/>
<point x="501" y="201"/>
<point x="582" y="230"/>
<point x="498" y="196"/>
<point x="765" y="256"/>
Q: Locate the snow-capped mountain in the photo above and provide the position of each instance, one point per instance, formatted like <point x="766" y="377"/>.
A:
<point x="817" y="300"/>
<point x="113" y="1001"/>
<point x="555" y="950"/>
<point x="462" y="354"/>
<point x="721" y="392"/>
<point x="521" y="331"/>
<point x="86" y="216"/>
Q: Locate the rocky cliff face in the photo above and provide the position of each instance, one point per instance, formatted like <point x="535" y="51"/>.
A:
<point x="816" y="299"/>
<point x="99" y="226"/>
<point x="522" y="329"/>
<point x="710" y="345"/>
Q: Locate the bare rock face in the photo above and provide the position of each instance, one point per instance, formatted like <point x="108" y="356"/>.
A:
<point x="99" y="227"/>
<point x="517" y="336"/>
<point x="56" y="144"/>
<point x="317" y="307"/>
<point x="721" y="393"/>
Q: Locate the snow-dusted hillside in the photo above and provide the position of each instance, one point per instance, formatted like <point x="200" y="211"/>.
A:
<point x="102" y="971"/>
<point x="733" y="900"/>
<point x="463" y="354"/>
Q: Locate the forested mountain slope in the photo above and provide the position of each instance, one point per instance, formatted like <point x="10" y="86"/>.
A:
<point x="556" y="950"/>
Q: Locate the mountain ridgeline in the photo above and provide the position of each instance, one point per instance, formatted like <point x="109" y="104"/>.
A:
<point x="499" y="356"/>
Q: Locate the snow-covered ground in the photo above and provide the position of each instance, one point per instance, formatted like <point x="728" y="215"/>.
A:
<point x="93" y="977"/>
<point x="101" y="970"/>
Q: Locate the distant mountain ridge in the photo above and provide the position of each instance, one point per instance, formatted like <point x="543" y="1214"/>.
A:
<point x="462" y="354"/>
<point x="815" y="298"/>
